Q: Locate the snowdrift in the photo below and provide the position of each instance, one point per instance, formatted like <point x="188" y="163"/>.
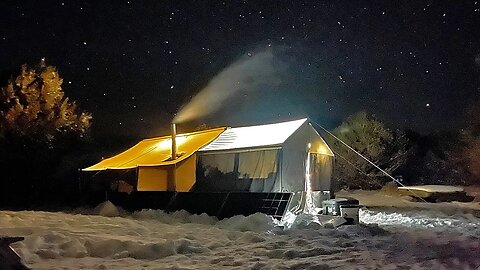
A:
<point x="152" y="239"/>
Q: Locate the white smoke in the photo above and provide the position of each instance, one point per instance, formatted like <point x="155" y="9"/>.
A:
<point x="249" y="73"/>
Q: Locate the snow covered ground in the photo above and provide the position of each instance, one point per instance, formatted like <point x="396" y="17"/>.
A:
<point x="376" y="199"/>
<point x="151" y="239"/>
<point x="434" y="188"/>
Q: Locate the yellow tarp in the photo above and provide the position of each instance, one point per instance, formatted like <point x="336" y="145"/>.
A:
<point x="157" y="151"/>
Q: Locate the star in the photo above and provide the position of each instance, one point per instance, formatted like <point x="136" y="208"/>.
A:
<point x="317" y="50"/>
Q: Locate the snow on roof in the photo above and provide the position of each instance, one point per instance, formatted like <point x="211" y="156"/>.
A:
<point x="254" y="136"/>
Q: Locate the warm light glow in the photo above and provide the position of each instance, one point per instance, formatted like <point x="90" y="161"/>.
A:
<point x="309" y="204"/>
<point x="322" y="149"/>
<point x="167" y="144"/>
<point x="308" y="186"/>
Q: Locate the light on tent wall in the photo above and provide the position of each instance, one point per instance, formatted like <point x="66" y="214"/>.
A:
<point x="308" y="186"/>
<point x="322" y="149"/>
<point x="309" y="204"/>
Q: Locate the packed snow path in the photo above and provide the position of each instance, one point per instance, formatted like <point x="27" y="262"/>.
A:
<point x="154" y="240"/>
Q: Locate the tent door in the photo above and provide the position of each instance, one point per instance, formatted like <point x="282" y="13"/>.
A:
<point x="319" y="172"/>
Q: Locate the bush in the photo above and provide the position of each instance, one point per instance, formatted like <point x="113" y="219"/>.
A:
<point x="371" y="138"/>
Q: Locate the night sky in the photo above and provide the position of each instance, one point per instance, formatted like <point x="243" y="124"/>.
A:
<point x="133" y="64"/>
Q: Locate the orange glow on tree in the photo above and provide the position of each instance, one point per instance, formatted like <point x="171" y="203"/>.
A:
<point x="34" y="105"/>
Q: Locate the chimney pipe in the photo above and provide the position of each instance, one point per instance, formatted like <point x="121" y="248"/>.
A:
<point x="172" y="179"/>
<point x="174" y="141"/>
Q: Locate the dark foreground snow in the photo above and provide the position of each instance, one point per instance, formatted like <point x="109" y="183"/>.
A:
<point x="155" y="240"/>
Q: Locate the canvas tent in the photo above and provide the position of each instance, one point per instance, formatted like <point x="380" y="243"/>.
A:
<point x="282" y="157"/>
<point x="279" y="169"/>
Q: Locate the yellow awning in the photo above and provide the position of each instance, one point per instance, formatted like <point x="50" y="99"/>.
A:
<point x="157" y="151"/>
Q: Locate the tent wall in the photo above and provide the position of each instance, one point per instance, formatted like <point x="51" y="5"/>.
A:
<point x="156" y="178"/>
<point x="304" y="141"/>
<point x="185" y="178"/>
<point x="279" y="169"/>
<point x="152" y="178"/>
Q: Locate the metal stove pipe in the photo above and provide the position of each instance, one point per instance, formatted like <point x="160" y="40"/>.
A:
<point x="174" y="140"/>
<point x="172" y="174"/>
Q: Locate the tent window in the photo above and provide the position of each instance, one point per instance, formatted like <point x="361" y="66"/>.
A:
<point x="223" y="162"/>
<point x="254" y="171"/>
<point x="257" y="165"/>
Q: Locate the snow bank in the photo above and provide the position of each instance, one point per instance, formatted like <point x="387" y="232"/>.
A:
<point x="107" y="209"/>
<point x="178" y="217"/>
<point x="256" y="223"/>
<point x="376" y="199"/>
<point x="461" y="223"/>
<point x="304" y="220"/>
<point x="152" y="239"/>
<point x="434" y="188"/>
<point x="59" y="235"/>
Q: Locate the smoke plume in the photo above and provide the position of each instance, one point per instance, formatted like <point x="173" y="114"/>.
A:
<point x="250" y="73"/>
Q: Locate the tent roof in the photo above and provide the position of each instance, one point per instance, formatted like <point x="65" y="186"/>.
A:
<point x="157" y="151"/>
<point x="254" y="136"/>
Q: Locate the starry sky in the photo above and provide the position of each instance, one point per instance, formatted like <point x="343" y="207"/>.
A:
<point x="133" y="64"/>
